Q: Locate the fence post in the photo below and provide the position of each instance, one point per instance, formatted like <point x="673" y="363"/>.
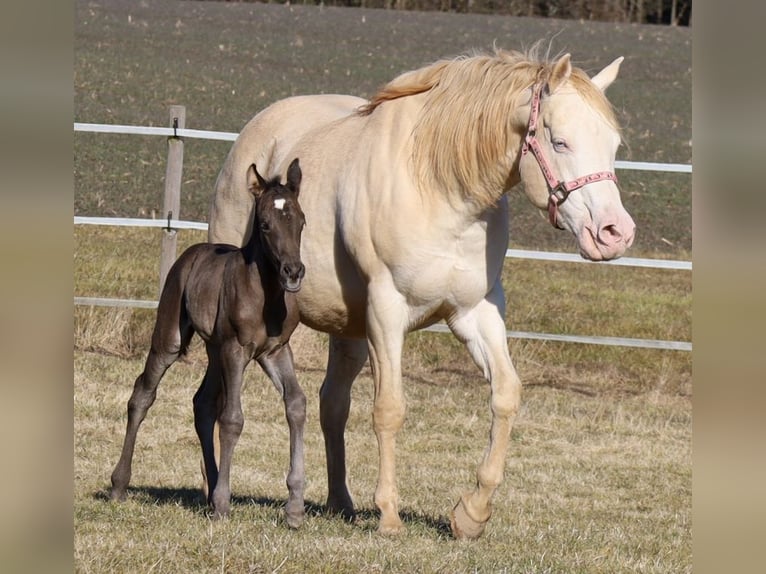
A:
<point x="172" y="202"/>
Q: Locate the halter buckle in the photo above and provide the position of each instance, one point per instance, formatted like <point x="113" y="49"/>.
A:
<point x="559" y="193"/>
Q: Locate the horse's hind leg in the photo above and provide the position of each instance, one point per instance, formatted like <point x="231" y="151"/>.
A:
<point x="280" y="368"/>
<point x="482" y="330"/>
<point x="345" y="361"/>
<point x="162" y="355"/>
<point x="205" y="414"/>
<point x="230" y="419"/>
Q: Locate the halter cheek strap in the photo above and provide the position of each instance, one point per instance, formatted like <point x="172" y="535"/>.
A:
<point x="558" y="190"/>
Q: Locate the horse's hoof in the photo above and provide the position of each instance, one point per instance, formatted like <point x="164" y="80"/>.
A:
<point x="219" y="512"/>
<point x="344" y="510"/>
<point x="390" y="530"/>
<point x="391" y="527"/>
<point x="294" y="521"/>
<point x="294" y="513"/>
<point x="465" y="527"/>
<point x="118" y="495"/>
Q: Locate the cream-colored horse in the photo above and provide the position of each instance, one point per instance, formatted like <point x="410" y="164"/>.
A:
<point x="407" y="224"/>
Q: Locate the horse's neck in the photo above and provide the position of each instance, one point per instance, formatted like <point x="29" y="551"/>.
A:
<point x="478" y="193"/>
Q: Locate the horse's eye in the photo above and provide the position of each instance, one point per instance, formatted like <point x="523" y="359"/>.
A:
<point x="559" y="144"/>
<point x="265" y="226"/>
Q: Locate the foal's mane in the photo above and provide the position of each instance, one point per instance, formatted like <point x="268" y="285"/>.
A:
<point x="461" y="139"/>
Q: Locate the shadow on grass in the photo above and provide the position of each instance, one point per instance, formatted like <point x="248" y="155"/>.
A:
<point x="193" y="500"/>
<point x="366" y="519"/>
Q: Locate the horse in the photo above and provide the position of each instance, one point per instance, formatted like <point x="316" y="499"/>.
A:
<point x="408" y="225"/>
<point x="241" y="302"/>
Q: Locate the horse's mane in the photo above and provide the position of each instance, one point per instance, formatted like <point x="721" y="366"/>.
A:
<point x="462" y="135"/>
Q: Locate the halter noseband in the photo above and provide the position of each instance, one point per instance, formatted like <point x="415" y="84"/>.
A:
<point x="558" y="190"/>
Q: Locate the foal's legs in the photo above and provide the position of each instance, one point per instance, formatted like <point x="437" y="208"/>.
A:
<point x="206" y="409"/>
<point x="346" y="358"/>
<point x="168" y="343"/>
<point x="482" y="330"/>
<point x="233" y="360"/>
<point x="280" y="368"/>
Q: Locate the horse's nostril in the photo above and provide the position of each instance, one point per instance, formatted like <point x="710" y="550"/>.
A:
<point x="293" y="271"/>
<point x="609" y="234"/>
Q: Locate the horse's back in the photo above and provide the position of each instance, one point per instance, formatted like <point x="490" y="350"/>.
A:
<point x="266" y="140"/>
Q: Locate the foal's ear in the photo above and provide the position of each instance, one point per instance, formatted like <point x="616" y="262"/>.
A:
<point x="294" y="176"/>
<point x="606" y="76"/>
<point x="255" y="183"/>
<point x="562" y="69"/>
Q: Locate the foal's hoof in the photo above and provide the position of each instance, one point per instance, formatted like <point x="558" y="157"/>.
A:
<point x="294" y="513"/>
<point x="294" y="521"/>
<point x="117" y="494"/>
<point x="219" y="511"/>
<point x="465" y="527"/>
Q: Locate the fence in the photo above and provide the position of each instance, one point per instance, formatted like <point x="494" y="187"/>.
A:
<point x="177" y="132"/>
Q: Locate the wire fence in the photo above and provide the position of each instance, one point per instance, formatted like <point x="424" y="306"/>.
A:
<point x="175" y="159"/>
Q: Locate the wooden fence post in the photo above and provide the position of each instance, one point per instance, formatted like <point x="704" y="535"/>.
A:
<point x="172" y="203"/>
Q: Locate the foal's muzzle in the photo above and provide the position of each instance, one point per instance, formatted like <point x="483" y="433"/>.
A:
<point x="291" y="276"/>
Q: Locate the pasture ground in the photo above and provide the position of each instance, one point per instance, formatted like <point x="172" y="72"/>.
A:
<point x="596" y="481"/>
<point x="599" y="474"/>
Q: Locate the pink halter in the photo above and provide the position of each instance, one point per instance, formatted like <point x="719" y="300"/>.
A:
<point x="558" y="190"/>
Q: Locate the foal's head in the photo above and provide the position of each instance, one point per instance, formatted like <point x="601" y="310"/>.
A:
<point x="279" y="221"/>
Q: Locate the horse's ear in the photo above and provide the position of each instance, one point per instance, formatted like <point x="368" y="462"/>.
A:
<point x="606" y="76"/>
<point x="294" y="176"/>
<point x="255" y="183"/>
<point x="562" y="69"/>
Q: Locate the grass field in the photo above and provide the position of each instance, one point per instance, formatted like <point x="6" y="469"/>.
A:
<point x="599" y="476"/>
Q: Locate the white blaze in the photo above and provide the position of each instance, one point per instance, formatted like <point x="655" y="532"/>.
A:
<point x="279" y="204"/>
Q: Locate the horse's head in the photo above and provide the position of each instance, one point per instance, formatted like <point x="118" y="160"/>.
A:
<point x="567" y="160"/>
<point x="279" y="222"/>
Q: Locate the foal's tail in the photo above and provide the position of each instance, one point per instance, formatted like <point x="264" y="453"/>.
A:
<point x="173" y="330"/>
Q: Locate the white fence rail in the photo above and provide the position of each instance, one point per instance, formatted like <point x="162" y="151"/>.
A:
<point x="172" y="225"/>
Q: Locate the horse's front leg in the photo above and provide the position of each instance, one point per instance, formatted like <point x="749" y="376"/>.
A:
<point x="386" y="326"/>
<point x="482" y="330"/>
<point x="280" y="368"/>
<point x="231" y="420"/>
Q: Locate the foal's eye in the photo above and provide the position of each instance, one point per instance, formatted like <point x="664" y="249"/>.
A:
<point x="265" y="226"/>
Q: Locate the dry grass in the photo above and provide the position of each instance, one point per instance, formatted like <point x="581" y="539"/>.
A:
<point x="593" y="484"/>
<point x="599" y="477"/>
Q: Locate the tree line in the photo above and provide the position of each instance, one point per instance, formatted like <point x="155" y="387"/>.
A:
<point x="672" y="12"/>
